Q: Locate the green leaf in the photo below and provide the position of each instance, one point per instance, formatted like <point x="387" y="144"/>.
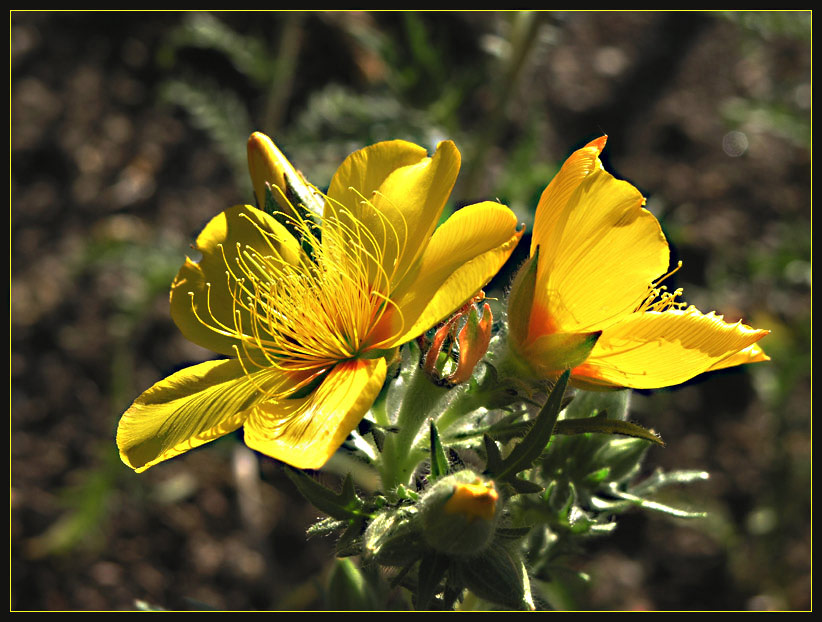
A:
<point x="532" y="445"/>
<point x="343" y="506"/>
<point x="524" y="487"/>
<point x="660" y="479"/>
<point x="439" y="461"/>
<point x="648" y="504"/>
<point x="601" y="425"/>
<point x="325" y="527"/>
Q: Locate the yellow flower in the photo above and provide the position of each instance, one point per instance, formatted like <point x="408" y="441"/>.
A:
<point x="590" y="298"/>
<point x="308" y="330"/>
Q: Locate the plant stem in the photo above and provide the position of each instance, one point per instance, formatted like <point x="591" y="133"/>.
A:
<point x="397" y="459"/>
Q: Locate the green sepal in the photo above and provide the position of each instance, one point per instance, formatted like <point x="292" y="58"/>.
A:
<point x="348" y="590"/>
<point x="271" y="208"/>
<point x="602" y="425"/>
<point x="498" y="575"/>
<point x="299" y="193"/>
<point x="439" y="461"/>
<point x="521" y="298"/>
<point x="343" y="506"/>
<point x="549" y="353"/>
<point x="433" y="567"/>
<point x="350" y="542"/>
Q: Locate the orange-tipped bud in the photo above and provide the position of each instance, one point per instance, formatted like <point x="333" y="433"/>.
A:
<point x="477" y="500"/>
<point x="472" y="341"/>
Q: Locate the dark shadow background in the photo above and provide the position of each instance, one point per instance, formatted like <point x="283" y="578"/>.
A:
<point x="128" y="133"/>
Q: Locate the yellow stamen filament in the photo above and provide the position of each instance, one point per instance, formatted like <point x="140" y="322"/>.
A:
<point x="307" y="316"/>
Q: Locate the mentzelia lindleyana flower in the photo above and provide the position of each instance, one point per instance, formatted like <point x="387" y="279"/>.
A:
<point x="308" y="332"/>
<point x="589" y="298"/>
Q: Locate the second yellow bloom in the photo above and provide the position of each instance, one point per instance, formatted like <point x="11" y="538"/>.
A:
<point x="589" y="299"/>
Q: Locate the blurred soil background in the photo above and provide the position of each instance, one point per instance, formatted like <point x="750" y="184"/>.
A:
<point x="128" y="133"/>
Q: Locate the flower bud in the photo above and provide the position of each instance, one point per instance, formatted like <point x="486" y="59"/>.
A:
<point x="459" y="514"/>
<point x="472" y="339"/>
<point x="498" y="575"/>
<point x="393" y="538"/>
<point x="267" y="165"/>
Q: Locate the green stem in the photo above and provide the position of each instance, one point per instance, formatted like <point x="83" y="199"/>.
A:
<point x="398" y="460"/>
<point x="466" y="402"/>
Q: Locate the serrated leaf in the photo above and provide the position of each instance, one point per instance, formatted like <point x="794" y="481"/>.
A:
<point x="343" y="506"/>
<point x="601" y="425"/>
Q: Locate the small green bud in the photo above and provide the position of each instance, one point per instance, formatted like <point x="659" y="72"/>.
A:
<point x="498" y="575"/>
<point x="393" y="538"/>
<point x="459" y="514"/>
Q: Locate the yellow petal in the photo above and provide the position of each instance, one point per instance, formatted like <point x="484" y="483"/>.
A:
<point x="266" y="163"/>
<point x="465" y="252"/>
<point x="599" y="249"/>
<point x="397" y="192"/>
<point x="203" y="293"/>
<point x="659" y="349"/>
<point x="305" y="432"/>
<point x="555" y="197"/>
<point x="189" y="408"/>
<point x="751" y="354"/>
